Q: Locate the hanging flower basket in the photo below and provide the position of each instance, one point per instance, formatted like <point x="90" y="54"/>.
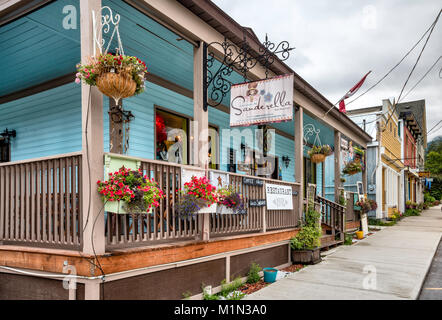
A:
<point x="116" y="76"/>
<point x="319" y="153"/>
<point x="317" y="158"/>
<point x="352" y="168"/>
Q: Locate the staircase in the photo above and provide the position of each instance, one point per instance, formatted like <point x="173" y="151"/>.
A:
<point x="332" y="222"/>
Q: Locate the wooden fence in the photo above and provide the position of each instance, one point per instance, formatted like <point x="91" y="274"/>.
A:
<point x="40" y="202"/>
<point x="165" y="225"/>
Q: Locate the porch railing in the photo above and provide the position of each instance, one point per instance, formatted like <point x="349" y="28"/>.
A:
<point x="332" y="215"/>
<point x="40" y="201"/>
<point x="165" y="225"/>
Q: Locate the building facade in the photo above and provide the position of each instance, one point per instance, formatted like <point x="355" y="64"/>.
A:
<point x="50" y="212"/>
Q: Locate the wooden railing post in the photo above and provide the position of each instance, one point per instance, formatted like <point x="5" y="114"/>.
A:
<point x="264" y="215"/>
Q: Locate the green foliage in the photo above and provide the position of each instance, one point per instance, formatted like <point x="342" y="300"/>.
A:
<point x="253" y="275"/>
<point x="236" y="295"/>
<point x="227" y="288"/>
<point x="348" y="240"/>
<point x="428" y="198"/>
<point x="187" y="295"/>
<point x="309" y="237"/>
<point x="411" y="213"/>
<point x="352" y="167"/>
<point x="377" y="222"/>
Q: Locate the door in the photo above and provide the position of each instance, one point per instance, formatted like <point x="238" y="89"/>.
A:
<point x="384" y="191"/>
<point x="309" y="173"/>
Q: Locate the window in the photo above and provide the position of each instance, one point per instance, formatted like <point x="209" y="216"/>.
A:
<point x="399" y="129"/>
<point x="5" y="150"/>
<point x="391" y="127"/>
<point x="171" y="137"/>
<point x="213" y="148"/>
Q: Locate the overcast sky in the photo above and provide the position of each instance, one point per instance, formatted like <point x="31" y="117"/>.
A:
<point x="338" y="42"/>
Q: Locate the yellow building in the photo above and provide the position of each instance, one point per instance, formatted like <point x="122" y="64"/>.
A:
<point x="391" y="154"/>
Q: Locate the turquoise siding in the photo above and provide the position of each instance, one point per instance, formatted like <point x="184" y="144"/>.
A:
<point x="38" y="47"/>
<point x="47" y="123"/>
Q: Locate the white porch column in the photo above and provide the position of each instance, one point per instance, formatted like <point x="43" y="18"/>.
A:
<point x="337" y="164"/>
<point x="201" y="130"/>
<point x="299" y="157"/>
<point x="92" y="142"/>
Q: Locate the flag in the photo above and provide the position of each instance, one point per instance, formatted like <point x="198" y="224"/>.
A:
<point x="351" y="92"/>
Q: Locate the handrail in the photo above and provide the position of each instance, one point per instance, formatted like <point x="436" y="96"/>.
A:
<point x="54" y="157"/>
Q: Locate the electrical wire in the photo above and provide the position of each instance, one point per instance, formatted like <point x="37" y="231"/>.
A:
<point x="429" y="70"/>
<point x="392" y="69"/>
<point x="434" y="127"/>
<point x="412" y="70"/>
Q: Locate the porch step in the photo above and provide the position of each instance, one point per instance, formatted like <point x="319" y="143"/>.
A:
<point x="328" y="242"/>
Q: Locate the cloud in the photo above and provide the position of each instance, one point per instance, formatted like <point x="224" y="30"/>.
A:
<point x="338" y="42"/>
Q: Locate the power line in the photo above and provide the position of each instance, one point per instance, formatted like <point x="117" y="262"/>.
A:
<point x="414" y="67"/>
<point x="434" y="127"/>
<point x="429" y="70"/>
<point x="392" y="69"/>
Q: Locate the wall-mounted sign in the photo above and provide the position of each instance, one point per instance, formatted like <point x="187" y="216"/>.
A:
<point x="279" y="197"/>
<point x="261" y="102"/>
<point x="257" y="203"/>
<point x="424" y="174"/>
<point x="252" y="182"/>
<point x="344" y="144"/>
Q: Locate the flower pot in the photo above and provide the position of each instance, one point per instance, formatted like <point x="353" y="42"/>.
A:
<point x="224" y="210"/>
<point x="117" y="85"/>
<point x="119" y="207"/>
<point x="317" y="157"/>
<point x="306" y="256"/>
<point x="270" y="275"/>
<point x="207" y="209"/>
<point x="360" y="234"/>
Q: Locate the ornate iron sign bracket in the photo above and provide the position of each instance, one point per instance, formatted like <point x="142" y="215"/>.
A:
<point x="241" y="58"/>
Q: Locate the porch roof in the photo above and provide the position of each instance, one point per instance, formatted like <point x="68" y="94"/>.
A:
<point x="227" y="26"/>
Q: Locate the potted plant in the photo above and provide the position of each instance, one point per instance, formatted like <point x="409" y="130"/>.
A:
<point x="352" y="168"/>
<point x="230" y="201"/>
<point x="128" y="191"/>
<point x="319" y="153"/>
<point x="116" y="76"/>
<point x="367" y="205"/>
<point x="198" y="196"/>
<point x="306" y="244"/>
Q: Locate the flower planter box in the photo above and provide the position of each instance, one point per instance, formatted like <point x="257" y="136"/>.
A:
<point x="119" y="207"/>
<point x="306" y="256"/>
<point x="224" y="210"/>
<point x="207" y="209"/>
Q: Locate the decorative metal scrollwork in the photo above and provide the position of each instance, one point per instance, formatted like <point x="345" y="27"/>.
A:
<point x="309" y="131"/>
<point x="242" y="59"/>
<point x="108" y="20"/>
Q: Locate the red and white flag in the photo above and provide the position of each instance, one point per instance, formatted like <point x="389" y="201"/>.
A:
<point x="350" y="93"/>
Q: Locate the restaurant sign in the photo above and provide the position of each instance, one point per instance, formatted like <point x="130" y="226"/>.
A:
<point x="424" y="174"/>
<point x="262" y="102"/>
<point x="279" y="197"/>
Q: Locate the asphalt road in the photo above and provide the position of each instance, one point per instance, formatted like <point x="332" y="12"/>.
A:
<point x="432" y="287"/>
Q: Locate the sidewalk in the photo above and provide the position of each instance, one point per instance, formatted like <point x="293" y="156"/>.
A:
<point x="401" y="256"/>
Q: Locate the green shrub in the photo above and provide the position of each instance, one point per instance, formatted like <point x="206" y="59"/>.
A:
<point x="253" y="275"/>
<point x="226" y="288"/>
<point x="348" y="240"/>
<point x="309" y="237"/>
<point x="378" y="222"/>
<point x="411" y="213"/>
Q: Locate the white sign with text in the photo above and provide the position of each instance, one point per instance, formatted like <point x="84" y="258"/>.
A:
<point x="260" y="102"/>
<point x="279" y="197"/>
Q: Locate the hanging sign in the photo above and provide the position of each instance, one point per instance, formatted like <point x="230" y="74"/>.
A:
<point x="261" y="102"/>
<point x="424" y="174"/>
<point x="279" y="197"/>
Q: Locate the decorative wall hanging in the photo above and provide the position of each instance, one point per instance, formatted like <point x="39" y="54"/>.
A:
<point x="116" y="75"/>
<point x="318" y="152"/>
<point x="241" y="58"/>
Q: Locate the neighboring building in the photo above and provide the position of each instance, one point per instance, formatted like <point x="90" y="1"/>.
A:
<point x="384" y="154"/>
<point x="413" y="117"/>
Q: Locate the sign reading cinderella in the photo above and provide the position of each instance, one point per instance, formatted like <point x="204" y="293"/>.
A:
<point x="279" y="197"/>
<point x="261" y="102"/>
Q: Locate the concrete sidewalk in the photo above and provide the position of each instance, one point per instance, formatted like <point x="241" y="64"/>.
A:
<point x="400" y="256"/>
